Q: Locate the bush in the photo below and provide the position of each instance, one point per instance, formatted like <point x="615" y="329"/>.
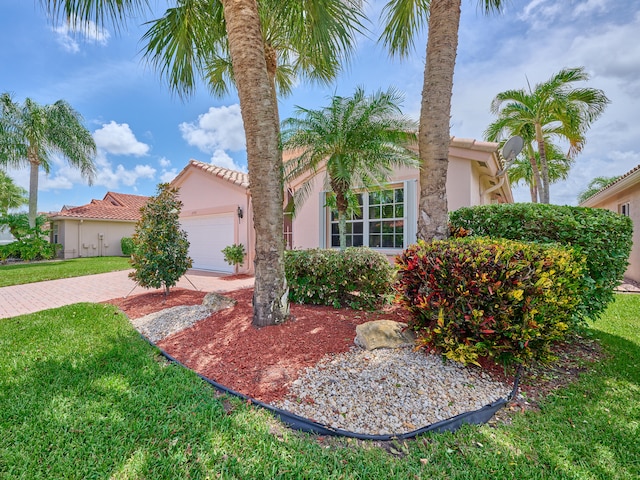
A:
<point x="234" y="254"/>
<point x="29" y="249"/>
<point x="478" y="297"/>
<point x="357" y="277"/>
<point x="604" y="237"/>
<point x="127" y="246"/>
<point x="160" y="254"/>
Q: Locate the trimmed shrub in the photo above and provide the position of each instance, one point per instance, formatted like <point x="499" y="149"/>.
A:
<point x="127" y="246"/>
<point x="29" y="249"/>
<point x="234" y="254"/>
<point x="357" y="277"/>
<point x="479" y="297"/>
<point x="604" y="237"/>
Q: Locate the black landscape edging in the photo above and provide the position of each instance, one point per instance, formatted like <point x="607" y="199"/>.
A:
<point x="296" y="422"/>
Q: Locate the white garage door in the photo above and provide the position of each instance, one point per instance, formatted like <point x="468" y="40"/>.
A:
<point x="208" y="235"/>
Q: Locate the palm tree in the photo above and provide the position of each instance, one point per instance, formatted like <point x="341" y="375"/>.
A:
<point x="31" y="133"/>
<point x="522" y="171"/>
<point x="11" y="195"/>
<point x="553" y="108"/>
<point x="358" y="139"/>
<point x="308" y="39"/>
<point x="403" y="19"/>
<point x="595" y="186"/>
<point x="258" y="105"/>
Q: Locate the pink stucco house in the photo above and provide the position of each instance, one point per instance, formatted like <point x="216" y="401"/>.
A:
<point x="217" y="208"/>
<point x="96" y="229"/>
<point x="623" y="197"/>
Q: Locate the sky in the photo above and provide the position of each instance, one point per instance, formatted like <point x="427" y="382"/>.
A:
<point x="146" y="135"/>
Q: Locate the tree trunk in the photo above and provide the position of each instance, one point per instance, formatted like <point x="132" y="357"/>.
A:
<point x="264" y="158"/>
<point x="34" y="170"/>
<point x="435" y="115"/>
<point x="544" y="166"/>
<point x="535" y="181"/>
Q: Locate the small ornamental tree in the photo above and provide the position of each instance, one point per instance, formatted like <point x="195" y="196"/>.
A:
<point x="160" y="255"/>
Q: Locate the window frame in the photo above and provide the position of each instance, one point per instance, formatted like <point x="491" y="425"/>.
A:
<point x="366" y="220"/>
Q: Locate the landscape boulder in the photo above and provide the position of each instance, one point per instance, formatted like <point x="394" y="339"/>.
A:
<point x="215" y="302"/>
<point x="383" y="334"/>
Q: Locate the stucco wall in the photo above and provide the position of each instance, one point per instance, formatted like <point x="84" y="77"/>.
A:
<point x="462" y="190"/>
<point x="204" y="194"/>
<point x="92" y="238"/>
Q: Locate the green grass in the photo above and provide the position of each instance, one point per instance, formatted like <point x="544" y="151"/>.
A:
<point x="21" y="273"/>
<point x="83" y="396"/>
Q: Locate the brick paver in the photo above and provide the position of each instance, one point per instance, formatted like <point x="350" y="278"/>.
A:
<point x="33" y="297"/>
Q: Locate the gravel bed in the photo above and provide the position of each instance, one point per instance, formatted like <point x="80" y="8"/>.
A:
<point x="159" y="325"/>
<point x="378" y="392"/>
<point x="388" y="391"/>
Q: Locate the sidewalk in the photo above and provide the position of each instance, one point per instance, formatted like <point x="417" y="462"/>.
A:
<point x="33" y="297"/>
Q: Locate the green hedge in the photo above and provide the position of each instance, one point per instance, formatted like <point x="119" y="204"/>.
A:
<point x="604" y="237"/>
<point x="481" y="297"/>
<point x="357" y="277"/>
<point x="29" y="249"/>
<point x="127" y="246"/>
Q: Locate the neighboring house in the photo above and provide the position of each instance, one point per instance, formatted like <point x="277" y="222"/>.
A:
<point x="623" y="197"/>
<point x="217" y="206"/>
<point x="96" y="229"/>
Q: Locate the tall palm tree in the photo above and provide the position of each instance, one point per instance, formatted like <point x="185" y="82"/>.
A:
<point x="553" y="108"/>
<point x="358" y="139"/>
<point x="522" y="171"/>
<point x="31" y="133"/>
<point x="11" y="195"/>
<point x="403" y="19"/>
<point x="258" y="105"/>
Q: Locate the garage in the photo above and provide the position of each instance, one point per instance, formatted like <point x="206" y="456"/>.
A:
<point x="208" y="235"/>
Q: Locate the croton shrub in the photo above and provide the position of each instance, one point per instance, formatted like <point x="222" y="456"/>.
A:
<point x="481" y="297"/>
<point x="604" y="237"/>
<point x="357" y="277"/>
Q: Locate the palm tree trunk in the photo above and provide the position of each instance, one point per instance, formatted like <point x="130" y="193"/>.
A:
<point x="34" y="170"/>
<point x="544" y="167"/>
<point x="435" y="115"/>
<point x="535" y="181"/>
<point x="264" y="158"/>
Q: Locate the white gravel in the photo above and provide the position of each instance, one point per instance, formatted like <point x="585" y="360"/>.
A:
<point x="378" y="392"/>
<point x="388" y="391"/>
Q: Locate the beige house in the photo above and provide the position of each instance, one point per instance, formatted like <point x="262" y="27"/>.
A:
<point x="217" y="206"/>
<point x="96" y="229"/>
<point x="623" y="197"/>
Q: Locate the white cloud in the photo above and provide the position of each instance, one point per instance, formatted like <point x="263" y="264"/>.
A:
<point x="118" y="139"/>
<point x="168" y="175"/>
<point x="112" y="179"/>
<point x="220" y="158"/>
<point x="164" y="162"/>
<point x="65" y="35"/>
<point x="218" y="129"/>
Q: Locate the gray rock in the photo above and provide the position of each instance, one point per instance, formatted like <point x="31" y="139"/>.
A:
<point x="215" y="302"/>
<point x="383" y="334"/>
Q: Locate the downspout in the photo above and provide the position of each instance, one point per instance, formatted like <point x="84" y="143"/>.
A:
<point x="495" y="187"/>
<point x="79" y="236"/>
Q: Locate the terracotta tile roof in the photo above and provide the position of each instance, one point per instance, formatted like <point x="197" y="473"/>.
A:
<point x="114" y="206"/>
<point x="233" y="176"/>
<point x="613" y="184"/>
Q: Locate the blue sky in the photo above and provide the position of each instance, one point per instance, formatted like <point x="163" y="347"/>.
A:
<point x="146" y="135"/>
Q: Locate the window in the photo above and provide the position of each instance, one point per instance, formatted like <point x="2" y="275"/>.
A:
<point x="380" y="223"/>
<point x="623" y="209"/>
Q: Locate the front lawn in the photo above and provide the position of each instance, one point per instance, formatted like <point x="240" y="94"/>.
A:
<point x="83" y="396"/>
<point x="21" y="273"/>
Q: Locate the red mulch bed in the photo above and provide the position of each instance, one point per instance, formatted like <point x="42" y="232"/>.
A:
<point x="258" y="362"/>
<point x="263" y="362"/>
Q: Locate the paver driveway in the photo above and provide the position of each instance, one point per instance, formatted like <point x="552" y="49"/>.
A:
<point x="33" y="297"/>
